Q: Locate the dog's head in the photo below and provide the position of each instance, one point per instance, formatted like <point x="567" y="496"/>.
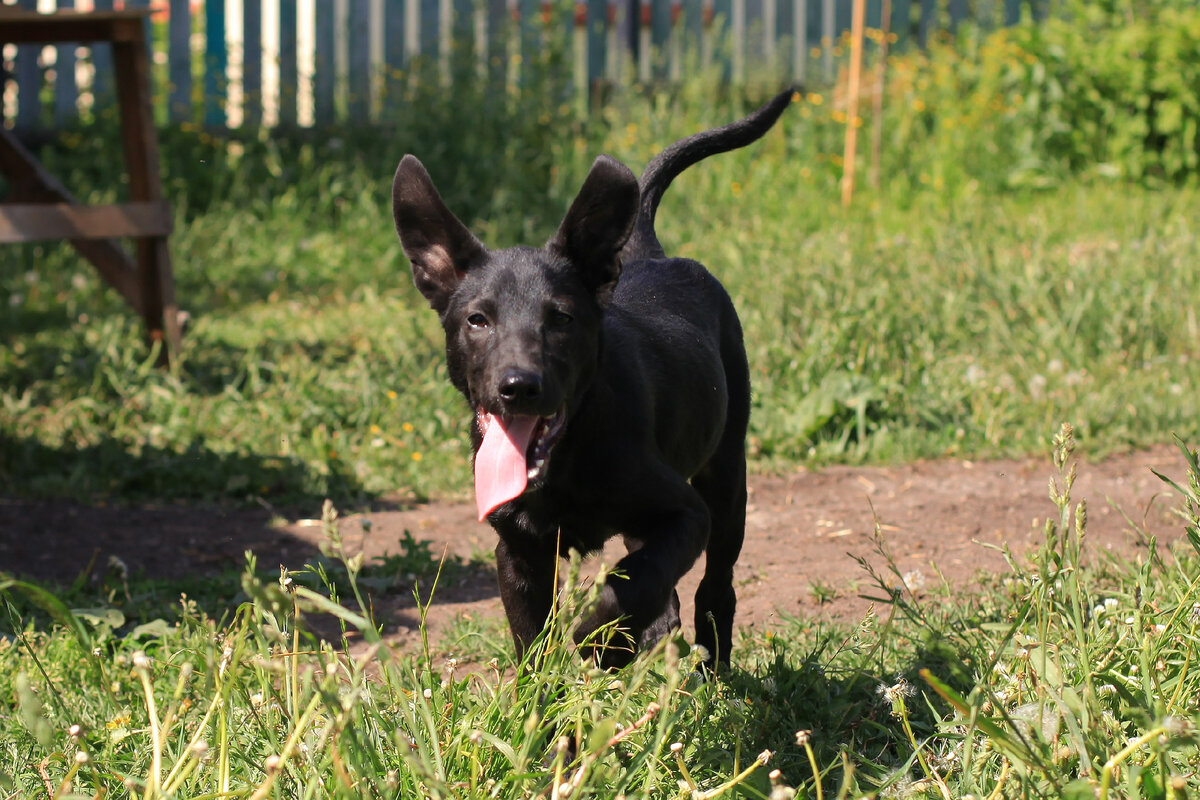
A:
<point x="522" y="324"/>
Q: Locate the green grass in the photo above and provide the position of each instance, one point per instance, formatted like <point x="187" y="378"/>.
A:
<point x="946" y="313"/>
<point x="990" y="288"/>
<point x="1071" y="675"/>
<point x="921" y="323"/>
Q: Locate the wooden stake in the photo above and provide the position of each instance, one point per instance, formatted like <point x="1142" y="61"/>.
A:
<point x="856" y="47"/>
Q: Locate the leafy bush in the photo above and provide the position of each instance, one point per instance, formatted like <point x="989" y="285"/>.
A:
<point x="1102" y="88"/>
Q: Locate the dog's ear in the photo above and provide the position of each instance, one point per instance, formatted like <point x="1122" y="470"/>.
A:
<point x="597" y="225"/>
<point x="439" y="246"/>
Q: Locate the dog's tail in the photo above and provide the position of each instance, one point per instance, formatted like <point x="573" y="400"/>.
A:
<point x="668" y="164"/>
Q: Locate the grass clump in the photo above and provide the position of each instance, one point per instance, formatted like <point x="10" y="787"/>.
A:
<point x="1026" y="257"/>
<point x="1070" y="676"/>
<point x="960" y="325"/>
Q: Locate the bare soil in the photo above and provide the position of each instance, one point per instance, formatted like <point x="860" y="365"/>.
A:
<point x="939" y="519"/>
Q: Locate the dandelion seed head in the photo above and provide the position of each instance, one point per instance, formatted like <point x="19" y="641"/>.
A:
<point x="118" y="567"/>
<point x="1177" y="726"/>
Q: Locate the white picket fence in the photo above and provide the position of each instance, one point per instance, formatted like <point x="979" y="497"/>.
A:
<point x="250" y="63"/>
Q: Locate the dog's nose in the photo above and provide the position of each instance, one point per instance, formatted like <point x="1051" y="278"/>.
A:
<point x="519" y="385"/>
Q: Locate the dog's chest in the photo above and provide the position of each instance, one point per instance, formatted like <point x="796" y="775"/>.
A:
<point x="586" y="536"/>
<point x="546" y="519"/>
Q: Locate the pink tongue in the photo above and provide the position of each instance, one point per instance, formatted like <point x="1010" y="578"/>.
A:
<point x="500" y="469"/>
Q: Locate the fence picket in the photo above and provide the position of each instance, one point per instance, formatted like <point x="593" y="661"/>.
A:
<point x="394" y="53"/>
<point x="215" y="64"/>
<point x="29" y="82"/>
<point x="928" y="23"/>
<point x="289" y="66"/>
<point x="252" y="53"/>
<point x="358" y="100"/>
<point x="324" y="62"/>
<point x="179" y="56"/>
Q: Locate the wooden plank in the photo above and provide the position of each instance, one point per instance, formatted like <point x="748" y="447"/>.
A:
<point x="35" y="222"/>
<point x="69" y="26"/>
<point x="179" y="57"/>
<point x="66" y="94"/>
<point x="358" y="32"/>
<point x="147" y="34"/>
<point x="289" y="66"/>
<point x="216" y="64"/>
<point x="32" y="182"/>
<point x="252" y="56"/>
<point x="324" y="63"/>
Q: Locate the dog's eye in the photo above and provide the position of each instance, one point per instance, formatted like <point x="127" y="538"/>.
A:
<point x="560" y="319"/>
<point x="477" y="320"/>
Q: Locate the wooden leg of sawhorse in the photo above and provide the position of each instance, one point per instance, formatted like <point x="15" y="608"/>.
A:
<point x="156" y="284"/>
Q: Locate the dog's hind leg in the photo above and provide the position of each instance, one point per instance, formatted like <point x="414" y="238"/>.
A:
<point x="722" y="485"/>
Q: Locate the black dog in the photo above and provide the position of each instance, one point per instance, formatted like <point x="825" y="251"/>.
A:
<point x="610" y="390"/>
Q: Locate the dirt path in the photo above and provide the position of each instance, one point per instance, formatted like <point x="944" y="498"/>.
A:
<point x="802" y="531"/>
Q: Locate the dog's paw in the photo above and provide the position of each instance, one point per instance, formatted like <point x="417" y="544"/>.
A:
<point x="606" y="637"/>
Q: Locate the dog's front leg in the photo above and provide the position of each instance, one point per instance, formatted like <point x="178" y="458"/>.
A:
<point x="526" y="575"/>
<point x="641" y="591"/>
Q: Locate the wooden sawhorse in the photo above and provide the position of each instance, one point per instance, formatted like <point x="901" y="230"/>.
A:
<point x="41" y="209"/>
